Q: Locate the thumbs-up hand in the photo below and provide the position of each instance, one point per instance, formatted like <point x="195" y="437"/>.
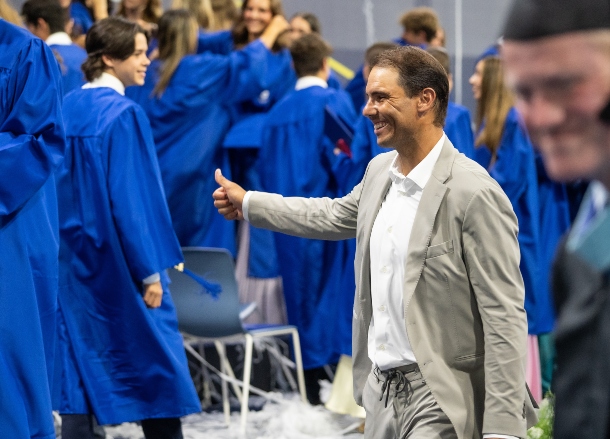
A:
<point x="228" y="198"/>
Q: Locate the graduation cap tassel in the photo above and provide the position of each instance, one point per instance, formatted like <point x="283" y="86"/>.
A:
<point x="213" y="289"/>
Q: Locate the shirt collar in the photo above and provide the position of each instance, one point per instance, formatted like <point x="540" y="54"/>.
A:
<point x="59" y="39"/>
<point x="599" y="195"/>
<point x="421" y="173"/>
<point x="310" y="81"/>
<point x="107" y="80"/>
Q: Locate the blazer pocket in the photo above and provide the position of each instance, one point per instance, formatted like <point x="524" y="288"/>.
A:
<point x="437" y="250"/>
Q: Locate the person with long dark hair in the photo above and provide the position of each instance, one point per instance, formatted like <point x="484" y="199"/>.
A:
<point x="121" y="353"/>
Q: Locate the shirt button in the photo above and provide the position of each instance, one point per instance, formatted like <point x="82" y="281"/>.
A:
<point x="385" y="269"/>
<point x="382" y="308"/>
<point x="381" y="347"/>
<point x="390" y="229"/>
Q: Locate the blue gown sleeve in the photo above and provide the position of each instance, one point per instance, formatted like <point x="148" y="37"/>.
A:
<point x="232" y="78"/>
<point x="32" y="138"/>
<point x="220" y="43"/>
<point x="137" y="198"/>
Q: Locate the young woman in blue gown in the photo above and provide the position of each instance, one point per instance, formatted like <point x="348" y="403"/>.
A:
<point x="504" y="149"/>
<point x="187" y="97"/>
<point x="122" y="357"/>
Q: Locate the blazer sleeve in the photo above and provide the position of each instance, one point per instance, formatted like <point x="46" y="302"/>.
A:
<point x="491" y="253"/>
<point x="315" y="218"/>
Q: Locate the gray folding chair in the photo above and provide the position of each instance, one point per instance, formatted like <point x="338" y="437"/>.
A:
<point x="204" y="318"/>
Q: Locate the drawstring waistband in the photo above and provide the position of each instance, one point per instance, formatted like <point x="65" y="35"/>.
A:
<point x="401" y="382"/>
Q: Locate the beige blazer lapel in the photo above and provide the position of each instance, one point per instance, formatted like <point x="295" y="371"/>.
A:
<point x="377" y="189"/>
<point x="421" y="233"/>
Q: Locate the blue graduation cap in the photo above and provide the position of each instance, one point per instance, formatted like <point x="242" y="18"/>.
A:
<point x="338" y="131"/>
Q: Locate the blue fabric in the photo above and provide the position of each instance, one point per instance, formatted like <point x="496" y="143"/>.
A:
<point x="554" y="222"/>
<point x="70" y="60"/>
<point x="280" y="79"/>
<point x="296" y="159"/>
<point x="458" y="128"/>
<point x="334" y="81"/>
<point x="220" y="43"/>
<point x="189" y="122"/>
<point x="31" y="148"/>
<point x="120" y="360"/>
<point x="515" y="171"/>
<point x="356" y="89"/>
<point x="81" y="16"/>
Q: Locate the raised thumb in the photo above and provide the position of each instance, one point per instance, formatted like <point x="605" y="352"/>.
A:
<point x="220" y="179"/>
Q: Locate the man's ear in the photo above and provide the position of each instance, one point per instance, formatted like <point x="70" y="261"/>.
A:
<point x="427" y="99"/>
<point x="326" y="67"/>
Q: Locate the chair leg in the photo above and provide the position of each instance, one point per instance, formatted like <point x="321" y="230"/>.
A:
<point x="246" y="389"/>
<point x="296" y="342"/>
<point x="226" y="408"/>
<point x="229" y="372"/>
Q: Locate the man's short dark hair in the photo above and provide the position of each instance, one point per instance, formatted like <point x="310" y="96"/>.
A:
<point x="49" y="10"/>
<point x="114" y="37"/>
<point x="442" y="56"/>
<point x="421" y="19"/>
<point x="373" y="51"/>
<point x="417" y="70"/>
<point x="308" y="54"/>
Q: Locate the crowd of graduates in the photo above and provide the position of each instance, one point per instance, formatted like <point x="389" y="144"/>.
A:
<point x="211" y="87"/>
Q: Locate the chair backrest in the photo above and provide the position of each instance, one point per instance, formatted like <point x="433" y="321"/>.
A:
<point x="198" y="312"/>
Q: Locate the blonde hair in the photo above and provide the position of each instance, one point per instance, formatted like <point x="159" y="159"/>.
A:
<point x="200" y="9"/>
<point x="177" y="38"/>
<point x="495" y="103"/>
<point x="151" y="14"/>
<point x="9" y="14"/>
<point x="225" y="14"/>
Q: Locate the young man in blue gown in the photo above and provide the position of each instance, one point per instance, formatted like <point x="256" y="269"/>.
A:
<point x="298" y="159"/>
<point x="420" y="26"/>
<point x="32" y="146"/>
<point x="47" y="20"/>
<point x="122" y="357"/>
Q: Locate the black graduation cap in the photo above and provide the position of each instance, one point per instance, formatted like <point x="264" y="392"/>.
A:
<point x="531" y="19"/>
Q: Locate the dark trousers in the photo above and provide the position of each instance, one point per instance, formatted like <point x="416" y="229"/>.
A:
<point x="86" y="427"/>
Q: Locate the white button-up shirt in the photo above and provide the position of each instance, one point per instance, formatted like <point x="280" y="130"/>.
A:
<point x="388" y="342"/>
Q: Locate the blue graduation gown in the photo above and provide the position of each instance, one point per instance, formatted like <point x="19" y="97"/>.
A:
<point x="71" y="58"/>
<point x="296" y="159"/>
<point x="555" y="220"/>
<point x="515" y="171"/>
<point x="458" y="127"/>
<point x="280" y="79"/>
<point x="120" y="360"/>
<point x="189" y="122"/>
<point x="31" y="147"/>
<point x="81" y="16"/>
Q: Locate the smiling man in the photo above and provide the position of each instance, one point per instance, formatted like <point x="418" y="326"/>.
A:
<point x="439" y="329"/>
<point x="557" y="57"/>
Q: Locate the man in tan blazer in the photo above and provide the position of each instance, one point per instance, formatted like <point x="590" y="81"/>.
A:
<point x="439" y="328"/>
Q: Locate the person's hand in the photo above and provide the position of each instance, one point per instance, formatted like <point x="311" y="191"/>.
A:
<point x="276" y="27"/>
<point x="228" y="198"/>
<point x="153" y="294"/>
